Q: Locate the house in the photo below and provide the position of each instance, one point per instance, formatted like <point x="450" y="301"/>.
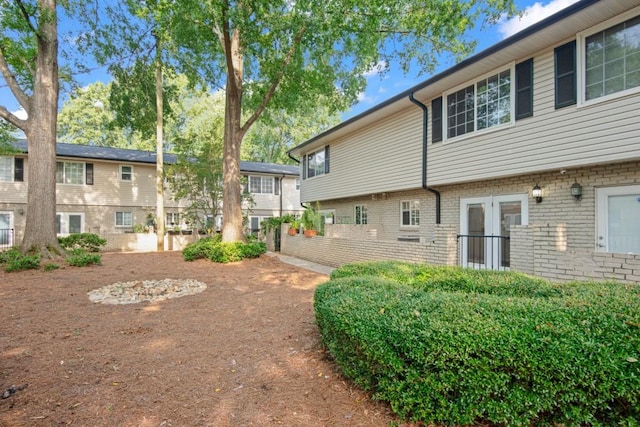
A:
<point x="110" y="191"/>
<point x="525" y="156"/>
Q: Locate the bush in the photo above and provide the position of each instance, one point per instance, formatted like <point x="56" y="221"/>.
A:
<point x="82" y="258"/>
<point x="14" y="260"/>
<point x="215" y="250"/>
<point x="457" y="347"/>
<point x="88" y="241"/>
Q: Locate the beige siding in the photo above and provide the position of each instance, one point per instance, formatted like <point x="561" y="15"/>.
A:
<point x="383" y="157"/>
<point x="550" y="140"/>
<point x="270" y="204"/>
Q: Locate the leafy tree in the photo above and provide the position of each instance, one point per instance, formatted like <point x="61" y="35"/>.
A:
<point x="29" y="67"/>
<point x="285" y="55"/>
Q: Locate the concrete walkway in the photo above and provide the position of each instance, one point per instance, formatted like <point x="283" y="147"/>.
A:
<point x="318" y="268"/>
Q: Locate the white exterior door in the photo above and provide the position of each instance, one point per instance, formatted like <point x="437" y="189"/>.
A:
<point x="6" y="232"/>
<point x="618" y="228"/>
<point x="485" y="223"/>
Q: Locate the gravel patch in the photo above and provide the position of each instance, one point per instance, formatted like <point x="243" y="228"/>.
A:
<point x="138" y="291"/>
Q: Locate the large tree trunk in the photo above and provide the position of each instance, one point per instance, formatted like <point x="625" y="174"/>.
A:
<point x="40" y="231"/>
<point x="232" y="230"/>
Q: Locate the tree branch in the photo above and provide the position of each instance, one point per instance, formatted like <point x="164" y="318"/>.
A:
<point x="12" y="82"/>
<point x="274" y="85"/>
<point x="13" y="119"/>
<point x="26" y="16"/>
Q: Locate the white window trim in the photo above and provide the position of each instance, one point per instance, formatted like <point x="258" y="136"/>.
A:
<point x="12" y="161"/>
<point x="120" y="173"/>
<point x="355" y="214"/>
<point x="512" y="93"/>
<point x="84" y="172"/>
<point x="314" y="152"/>
<point x="11" y="236"/>
<point x="581" y="77"/>
<point x="64" y="220"/>
<point x="262" y="177"/>
<point x="122" y="225"/>
<point x="410" y="226"/>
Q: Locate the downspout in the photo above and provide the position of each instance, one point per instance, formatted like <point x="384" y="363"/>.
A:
<point x="425" y="123"/>
<point x="298" y="162"/>
<point x="281" y="178"/>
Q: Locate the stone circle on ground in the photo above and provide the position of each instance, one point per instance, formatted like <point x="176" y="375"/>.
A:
<point x="137" y="291"/>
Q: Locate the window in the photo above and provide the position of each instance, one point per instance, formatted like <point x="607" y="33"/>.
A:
<point x="70" y="173"/>
<point x="6" y="232"/>
<point x="360" y="214"/>
<point x="261" y="185"/>
<point x="297" y="183"/>
<point x="68" y="223"/>
<point x="410" y="213"/>
<point x="612" y="59"/>
<point x="126" y="173"/>
<point x="316" y="163"/>
<point x="173" y="219"/>
<point x="524" y="89"/>
<point x="565" y="74"/>
<point x="254" y="222"/>
<point x="6" y="168"/>
<point x="124" y="219"/>
<point x="485" y="104"/>
<point x="617" y="225"/>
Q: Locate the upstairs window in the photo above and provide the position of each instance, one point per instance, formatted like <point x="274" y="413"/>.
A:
<point x="126" y="173"/>
<point x="612" y="59"/>
<point x="487" y="103"/>
<point x="6" y="169"/>
<point x="315" y="163"/>
<point x="70" y="173"/>
<point x="261" y="185"/>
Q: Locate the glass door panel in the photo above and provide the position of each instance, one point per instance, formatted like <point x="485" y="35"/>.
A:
<point x="510" y="214"/>
<point x="624" y="224"/>
<point x="476" y="231"/>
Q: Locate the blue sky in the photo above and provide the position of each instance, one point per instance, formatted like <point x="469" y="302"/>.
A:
<point x="381" y="88"/>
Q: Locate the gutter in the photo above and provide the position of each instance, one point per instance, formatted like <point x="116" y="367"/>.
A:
<point x="425" y="123"/>
<point x="298" y="162"/>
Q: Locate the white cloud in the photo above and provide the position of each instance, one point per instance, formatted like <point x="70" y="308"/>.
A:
<point x="20" y="113"/>
<point x="532" y="14"/>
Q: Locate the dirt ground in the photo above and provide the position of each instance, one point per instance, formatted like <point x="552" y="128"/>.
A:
<point x="245" y="352"/>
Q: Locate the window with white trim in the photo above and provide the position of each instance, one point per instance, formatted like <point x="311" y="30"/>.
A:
<point x="485" y="104"/>
<point x="261" y="184"/>
<point x="172" y="219"/>
<point x="315" y="163"/>
<point x="360" y="213"/>
<point x="70" y="173"/>
<point x="126" y="173"/>
<point x="124" y="219"/>
<point x="6" y="169"/>
<point x="410" y="213"/>
<point x="69" y="223"/>
<point x="611" y="58"/>
<point x="297" y="183"/>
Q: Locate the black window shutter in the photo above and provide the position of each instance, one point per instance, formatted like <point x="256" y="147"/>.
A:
<point x="436" y="120"/>
<point x="524" y="89"/>
<point x="326" y="159"/>
<point x="89" y="173"/>
<point x="565" y="74"/>
<point x="276" y="186"/>
<point x="246" y="183"/>
<point x="18" y="169"/>
<point x="304" y="167"/>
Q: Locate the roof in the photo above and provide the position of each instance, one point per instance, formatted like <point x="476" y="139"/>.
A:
<point x="516" y="41"/>
<point x="141" y="156"/>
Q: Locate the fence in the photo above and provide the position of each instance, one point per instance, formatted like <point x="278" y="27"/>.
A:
<point x="484" y="252"/>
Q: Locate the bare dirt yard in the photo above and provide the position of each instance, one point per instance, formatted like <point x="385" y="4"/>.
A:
<point x="243" y="352"/>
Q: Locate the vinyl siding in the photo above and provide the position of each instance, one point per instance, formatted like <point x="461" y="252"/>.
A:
<point x="552" y="139"/>
<point x="383" y="157"/>
<point x="269" y="204"/>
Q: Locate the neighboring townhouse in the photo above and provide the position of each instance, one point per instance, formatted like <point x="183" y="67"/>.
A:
<point x="109" y="191"/>
<point x="525" y="156"/>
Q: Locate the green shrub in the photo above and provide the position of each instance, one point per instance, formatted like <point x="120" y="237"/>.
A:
<point x="459" y="347"/>
<point x="51" y="266"/>
<point x="14" y="260"/>
<point x="215" y="250"/>
<point x="82" y="258"/>
<point x="88" y="241"/>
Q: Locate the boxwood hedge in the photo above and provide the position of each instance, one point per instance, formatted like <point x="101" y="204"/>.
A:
<point x="459" y="347"/>
<point x="214" y="249"/>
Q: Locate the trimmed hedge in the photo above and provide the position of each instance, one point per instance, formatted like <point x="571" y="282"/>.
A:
<point x="458" y="347"/>
<point x="215" y="250"/>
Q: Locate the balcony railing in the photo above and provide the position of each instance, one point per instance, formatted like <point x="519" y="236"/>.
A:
<point x="484" y="252"/>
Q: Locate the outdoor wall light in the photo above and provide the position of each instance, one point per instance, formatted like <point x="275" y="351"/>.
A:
<point x="536" y="193"/>
<point x="576" y="191"/>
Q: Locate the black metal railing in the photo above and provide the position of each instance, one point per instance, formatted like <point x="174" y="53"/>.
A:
<point x="484" y="252"/>
<point x="6" y="238"/>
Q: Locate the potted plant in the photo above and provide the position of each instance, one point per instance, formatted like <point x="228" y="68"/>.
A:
<point x="310" y="221"/>
<point x="294" y="227"/>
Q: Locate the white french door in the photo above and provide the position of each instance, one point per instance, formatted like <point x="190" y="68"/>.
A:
<point x="6" y="225"/>
<point x="485" y="225"/>
<point x="618" y="224"/>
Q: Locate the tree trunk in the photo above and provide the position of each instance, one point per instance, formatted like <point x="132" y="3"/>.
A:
<point x="40" y="231"/>
<point x="232" y="230"/>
